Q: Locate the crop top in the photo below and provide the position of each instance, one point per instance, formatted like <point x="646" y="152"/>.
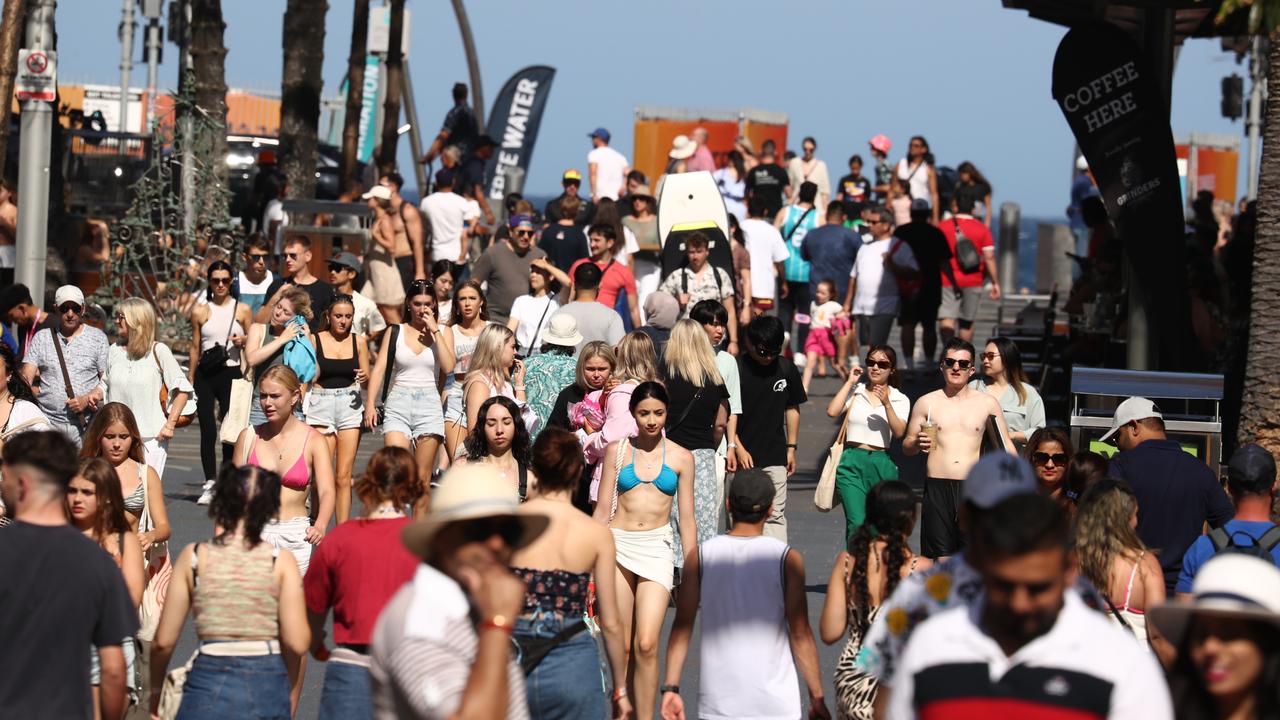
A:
<point x="666" y="481"/>
<point x="297" y="476"/>
<point x="337" y="373"/>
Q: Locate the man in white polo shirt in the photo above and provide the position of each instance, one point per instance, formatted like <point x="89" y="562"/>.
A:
<point x="446" y="212"/>
<point x="767" y="250"/>
<point x="1026" y="646"/>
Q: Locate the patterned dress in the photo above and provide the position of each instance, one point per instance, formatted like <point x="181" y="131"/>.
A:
<point x="855" y="689"/>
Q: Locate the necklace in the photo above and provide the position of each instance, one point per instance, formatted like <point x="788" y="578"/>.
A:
<point x="386" y="509"/>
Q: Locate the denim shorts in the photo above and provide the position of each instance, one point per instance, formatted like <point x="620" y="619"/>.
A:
<point x="95" y="665"/>
<point x="347" y="693"/>
<point x="219" y="688"/>
<point x="453" y="403"/>
<point x="334" y="410"/>
<point x="568" y="682"/>
<point x="414" y="412"/>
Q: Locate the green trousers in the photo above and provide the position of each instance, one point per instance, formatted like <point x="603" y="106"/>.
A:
<point x="858" y="472"/>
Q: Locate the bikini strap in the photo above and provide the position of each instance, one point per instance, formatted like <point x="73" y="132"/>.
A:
<point x="633" y="451"/>
<point x="664" y="452"/>
<point x="1132" y="574"/>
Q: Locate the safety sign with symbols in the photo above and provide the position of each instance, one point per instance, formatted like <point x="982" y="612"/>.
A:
<point x="37" y="75"/>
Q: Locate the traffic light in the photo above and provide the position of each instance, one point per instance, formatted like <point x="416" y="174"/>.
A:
<point x="1233" y="97"/>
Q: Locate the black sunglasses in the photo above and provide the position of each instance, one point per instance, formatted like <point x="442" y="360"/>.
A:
<point x="70" y="307"/>
<point x="339" y="267"/>
<point x="522" y="233"/>
<point x="257" y="257"/>
<point x="957" y="362"/>
<point x="291" y="256"/>
<point x="220" y="281"/>
<point x="880" y="364"/>
<point x="485" y="528"/>
<point x="1043" y="458"/>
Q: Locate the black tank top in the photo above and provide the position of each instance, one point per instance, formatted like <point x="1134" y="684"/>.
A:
<point x="337" y="374"/>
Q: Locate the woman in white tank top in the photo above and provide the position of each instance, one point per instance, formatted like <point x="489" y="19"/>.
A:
<point x="916" y="170"/>
<point x="220" y="323"/>
<point x="412" y="416"/>
<point x="470" y="316"/>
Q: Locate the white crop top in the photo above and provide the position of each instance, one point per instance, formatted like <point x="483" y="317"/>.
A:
<point x="413" y="370"/>
<point x="868" y="423"/>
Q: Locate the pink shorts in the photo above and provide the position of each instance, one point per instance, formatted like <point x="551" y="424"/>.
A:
<point x="821" y="342"/>
<point x="840" y="325"/>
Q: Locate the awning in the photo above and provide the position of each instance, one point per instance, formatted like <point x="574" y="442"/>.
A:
<point x="1192" y="18"/>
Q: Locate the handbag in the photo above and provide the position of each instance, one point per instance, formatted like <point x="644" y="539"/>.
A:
<point x="171" y="691"/>
<point x="532" y="650"/>
<point x="188" y="411"/>
<point x="966" y="253"/>
<point x="215" y="358"/>
<point x="824" y="495"/>
<point x="159" y="572"/>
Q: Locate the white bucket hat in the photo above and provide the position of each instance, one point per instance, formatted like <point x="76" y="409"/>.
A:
<point x="1232" y="584"/>
<point x="682" y="147"/>
<point x="562" y="329"/>
<point x="471" y="492"/>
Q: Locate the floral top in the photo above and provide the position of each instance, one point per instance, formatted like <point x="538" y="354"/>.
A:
<point x="554" y="591"/>
<point x="545" y="375"/>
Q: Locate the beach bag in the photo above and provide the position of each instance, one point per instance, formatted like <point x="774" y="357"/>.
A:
<point x="824" y="495"/>
<point x="967" y="256"/>
<point x="159" y="572"/>
<point x="240" y="402"/>
<point x="171" y="691"/>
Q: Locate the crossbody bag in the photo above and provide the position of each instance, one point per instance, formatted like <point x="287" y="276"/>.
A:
<point x="77" y="418"/>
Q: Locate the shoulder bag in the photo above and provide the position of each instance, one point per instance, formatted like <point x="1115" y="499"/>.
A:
<point x="159" y="570"/>
<point x="77" y="418"/>
<point x="967" y="256"/>
<point x="215" y="358"/>
<point x="241" y="401"/>
<point x="392" y="337"/>
<point x="188" y="411"/>
<point x="176" y="679"/>
<point x="824" y="495"/>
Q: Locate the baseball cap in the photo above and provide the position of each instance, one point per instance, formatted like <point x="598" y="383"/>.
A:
<point x="881" y="143"/>
<point x="1135" y="408"/>
<point x="1082" y="164"/>
<point x="920" y="204"/>
<point x="996" y="477"/>
<point x="66" y="294"/>
<point x="1252" y="465"/>
<point x="347" y="260"/>
<point x="600" y="133"/>
<point x="520" y="220"/>
<point x="380" y="192"/>
<point x="571" y="174"/>
<point x="750" y="492"/>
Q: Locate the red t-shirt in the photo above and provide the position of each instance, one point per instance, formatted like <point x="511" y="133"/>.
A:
<point x="356" y="570"/>
<point x="617" y="278"/>
<point x="980" y="236"/>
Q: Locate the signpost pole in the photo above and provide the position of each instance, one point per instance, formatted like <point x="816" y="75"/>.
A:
<point x="126" y="66"/>
<point x="33" y="162"/>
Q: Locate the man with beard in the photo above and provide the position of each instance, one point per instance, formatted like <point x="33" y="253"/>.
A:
<point x="505" y="267"/>
<point x="1026" y="646"/>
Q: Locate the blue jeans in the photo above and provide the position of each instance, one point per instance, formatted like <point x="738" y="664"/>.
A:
<point x="347" y="693"/>
<point x="567" y="683"/>
<point x="219" y="688"/>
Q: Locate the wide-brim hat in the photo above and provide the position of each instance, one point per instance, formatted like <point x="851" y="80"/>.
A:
<point x="1230" y="584"/>
<point x="471" y="492"/>
<point x="562" y="329"/>
<point x="682" y="147"/>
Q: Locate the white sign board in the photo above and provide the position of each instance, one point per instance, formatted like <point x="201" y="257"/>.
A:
<point x="37" y="75"/>
<point x="380" y="31"/>
<point x="106" y="100"/>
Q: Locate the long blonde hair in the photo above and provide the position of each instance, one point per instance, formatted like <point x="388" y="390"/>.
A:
<point x="486" y="361"/>
<point x="141" y="320"/>
<point x="637" y="358"/>
<point x="1102" y="531"/>
<point x="689" y="355"/>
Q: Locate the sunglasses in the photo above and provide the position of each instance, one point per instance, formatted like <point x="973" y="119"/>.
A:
<point x="335" y="268"/>
<point x="522" y="233"/>
<point x="291" y="256"/>
<point x="880" y="364"/>
<point x="482" y="530"/>
<point x="220" y="281"/>
<point x="1043" y="458"/>
<point x="65" y="308"/>
<point x="990" y="355"/>
<point x="257" y="257"/>
<point x="768" y="352"/>
<point x="957" y="362"/>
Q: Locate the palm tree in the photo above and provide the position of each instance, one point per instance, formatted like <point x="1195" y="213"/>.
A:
<point x="355" y="90"/>
<point x="1260" y="399"/>
<point x="391" y="106"/>
<point x="10" y="43"/>
<point x="300" y="88"/>
<point x="208" y="60"/>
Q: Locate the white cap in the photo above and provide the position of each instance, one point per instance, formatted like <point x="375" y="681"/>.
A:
<point x="381" y="192"/>
<point x="1082" y="164"/>
<point x="1135" y="408"/>
<point x="996" y="477"/>
<point x="66" y="294"/>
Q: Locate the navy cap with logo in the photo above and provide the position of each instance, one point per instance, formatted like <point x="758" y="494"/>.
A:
<point x="751" y="492"/>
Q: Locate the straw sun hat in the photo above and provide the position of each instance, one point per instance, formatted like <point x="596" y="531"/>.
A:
<point x="471" y="492"/>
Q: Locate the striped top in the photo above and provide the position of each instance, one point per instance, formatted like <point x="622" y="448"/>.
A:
<point x="423" y="650"/>
<point x="236" y="597"/>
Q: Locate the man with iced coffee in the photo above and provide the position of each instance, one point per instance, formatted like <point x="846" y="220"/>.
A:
<point x="948" y="424"/>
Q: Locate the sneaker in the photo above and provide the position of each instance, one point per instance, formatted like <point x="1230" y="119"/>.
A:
<point x="206" y="496"/>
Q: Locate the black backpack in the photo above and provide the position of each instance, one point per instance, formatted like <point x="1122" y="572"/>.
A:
<point x="1261" y="547"/>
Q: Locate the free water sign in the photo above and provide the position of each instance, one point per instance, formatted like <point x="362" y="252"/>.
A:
<point x="37" y="75"/>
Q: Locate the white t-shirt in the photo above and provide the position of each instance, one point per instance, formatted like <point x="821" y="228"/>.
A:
<point x="877" y="291"/>
<point x="368" y="320"/>
<point x="765" y="246"/>
<point x="275" y="211"/>
<point x="446" y="211"/>
<point x="820" y="316"/>
<point x="1085" y="664"/>
<point x="611" y="167"/>
<point x="534" y="314"/>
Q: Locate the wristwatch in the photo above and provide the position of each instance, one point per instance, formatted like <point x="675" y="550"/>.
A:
<point x="791" y="446"/>
<point x="669" y="689"/>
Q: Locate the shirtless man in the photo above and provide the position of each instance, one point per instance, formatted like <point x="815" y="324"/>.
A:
<point x="410" y="257"/>
<point x="959" y="416"/>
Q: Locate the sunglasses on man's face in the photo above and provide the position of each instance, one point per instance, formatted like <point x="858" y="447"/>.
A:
<point x="257" y="258"/>
<point x="336" y="268"/>
<point x="73" y="308"/>
<point x="957" y="362"/>
<point x="1043" y="458"/>
<point x="292" y="256"/>
<point x="522" y="233"/>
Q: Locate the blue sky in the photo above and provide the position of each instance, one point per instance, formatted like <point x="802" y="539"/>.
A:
<point x="969" y="75"/>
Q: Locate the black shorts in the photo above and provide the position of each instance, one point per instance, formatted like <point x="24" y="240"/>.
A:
<point x="940" y="518"/>
<point x="404" y="264"/>
<point x="920" y="309"/>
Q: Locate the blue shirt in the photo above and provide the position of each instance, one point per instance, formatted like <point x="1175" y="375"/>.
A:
<point x="832" y="249"/>
<point x="795" y="226"/>
<point x="1242" y="532"/>
<point x="1177" y="494"/>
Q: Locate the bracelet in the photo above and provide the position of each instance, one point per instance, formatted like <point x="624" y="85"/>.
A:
<point x="732" y="446"/>
<point x="497" y="622"/>
<point x="519" y="388"/>
<point x="619" y="693"/>
<point x="669" y="689"/>
<point x="792" y="446"/>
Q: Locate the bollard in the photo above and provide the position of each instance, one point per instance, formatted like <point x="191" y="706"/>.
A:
<point x="1010" y="218"/>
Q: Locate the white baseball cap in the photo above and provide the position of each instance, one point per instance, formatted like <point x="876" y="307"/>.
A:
<point x="66" y="294"/>
<point x="996" y="477"/>
<point x="1135" y="408"/>
<point x="381" y="192"/>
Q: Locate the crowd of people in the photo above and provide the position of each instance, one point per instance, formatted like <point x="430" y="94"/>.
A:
<point x="573" y="443"/>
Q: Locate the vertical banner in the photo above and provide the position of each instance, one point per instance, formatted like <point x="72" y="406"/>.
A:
<point x="1114" y="106"/>
<point x="513" y="124"/>
<point x="370" y="109"/>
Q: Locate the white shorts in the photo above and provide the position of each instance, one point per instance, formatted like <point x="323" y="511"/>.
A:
<point x="290" y="535"/>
